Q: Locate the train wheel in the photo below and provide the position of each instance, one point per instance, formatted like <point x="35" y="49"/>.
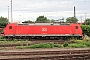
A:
<point x="29" y="38"/>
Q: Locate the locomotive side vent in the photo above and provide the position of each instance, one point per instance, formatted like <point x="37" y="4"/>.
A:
<point x="23" y="24"/>
<point x="64" y="23"/>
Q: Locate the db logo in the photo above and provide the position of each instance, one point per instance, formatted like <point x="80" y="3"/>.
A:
<point x="44" y="29"/>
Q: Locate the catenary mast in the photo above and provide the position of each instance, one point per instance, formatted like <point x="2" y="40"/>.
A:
<point x="74" y="12"/>
<point x="11" y="12"/>
<point x="8" y="14"/>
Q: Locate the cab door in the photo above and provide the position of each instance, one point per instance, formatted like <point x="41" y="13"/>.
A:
<point x="12" y="30"/>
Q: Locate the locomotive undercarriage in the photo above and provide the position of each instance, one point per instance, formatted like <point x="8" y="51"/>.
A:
<point x="43" y="37"/>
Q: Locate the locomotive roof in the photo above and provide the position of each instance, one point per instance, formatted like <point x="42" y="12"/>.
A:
<point x="44" y="24"/>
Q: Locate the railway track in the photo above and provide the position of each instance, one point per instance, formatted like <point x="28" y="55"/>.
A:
<point x="51" y="57"/>
<point x="47" y="55"/>
<point x="44" y="52"/>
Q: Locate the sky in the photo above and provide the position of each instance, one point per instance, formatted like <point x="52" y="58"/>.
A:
<point x="52" y="9"/>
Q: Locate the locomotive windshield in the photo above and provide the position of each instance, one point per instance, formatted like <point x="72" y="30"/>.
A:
<point x="10" y="27"/>
<point x="76" y="27"/>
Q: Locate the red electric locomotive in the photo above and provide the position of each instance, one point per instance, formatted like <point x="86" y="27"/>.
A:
<point x="42" y="30"/>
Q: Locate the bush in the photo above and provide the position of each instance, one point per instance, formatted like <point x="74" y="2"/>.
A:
<point x="65" y="44"/>
<point x="77" y="45"/>
<point x="41" y="45"/>
<point x="20" y="47"/>
<point x="80" y="41"/>
<point x="52" y="45"/>
<point x="1" y="37"/>
<point x="87" y="43"/>
<point x="45" y="45"/>
<point x="57" y="45"/>
<point x="84" y="42"/>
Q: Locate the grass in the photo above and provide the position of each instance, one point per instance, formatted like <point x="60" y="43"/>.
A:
<point x="77" y="44"/>
<point x="14" y="42"/>
<point x="41" y="45"/>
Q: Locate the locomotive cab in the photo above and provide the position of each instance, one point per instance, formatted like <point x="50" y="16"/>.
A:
<point x="9" y="30"/>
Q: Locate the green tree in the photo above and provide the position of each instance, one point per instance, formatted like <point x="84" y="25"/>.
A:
<point x="71" y="20"/>
<point x="87" y="21"/>
<point x="86" y="29"/>
<point x="3" y="22"/>
<point x="52" y="20"/>
<point x="42" y="19"/>
<point x="28" y="21"/>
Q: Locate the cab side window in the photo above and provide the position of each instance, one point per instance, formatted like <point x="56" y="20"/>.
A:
<point x="10" y="27"/>
<point x="76" y="27"/>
